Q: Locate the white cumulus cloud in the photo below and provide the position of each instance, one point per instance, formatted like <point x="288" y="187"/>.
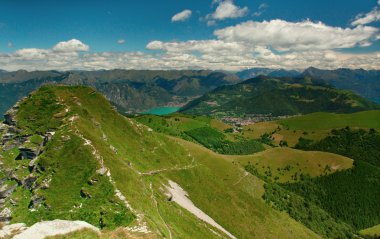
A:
<point x="305" y="35"/>
<point x="72" y="45"/>
<point x="227" y="9"/>
<point x="182" y="16"/>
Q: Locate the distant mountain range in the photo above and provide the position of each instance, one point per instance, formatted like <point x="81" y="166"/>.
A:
<point x="252" y="73"/>
<point x="363" y="82"/>
<point x="2" y="72"/>
<point x="128" y="90"/>
<point x="266" y="95"/>
<point x="139" y="90"/>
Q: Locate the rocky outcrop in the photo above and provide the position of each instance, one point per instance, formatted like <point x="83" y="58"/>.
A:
<point x="36" y="201"/>
<point x="3" y="128"/>
<point x="44" y="229"/>
<point x="29" y="153"/>
<point x="6" y="191"/>
<point x="9" y="231"/>
<point x="28" y="182"/>
<point x="29" y="148"/>
<point x="5" y="215"/>
<point x="85" y="194"/>
<point x="48" y="136"/>
<point x="10" y="115"/>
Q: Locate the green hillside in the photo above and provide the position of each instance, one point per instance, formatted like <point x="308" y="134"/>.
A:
<point x="211" y="133"/>
<point x="277" y="97"/>
<point x="323" y="121"/>
<point x="290" y="165"/>
<point x="334" y="205"/>
<point x="352" y="195"/>
<point x="112" y="172"/>
<point x="314" y="126"/>
<point x="373" y="232"/>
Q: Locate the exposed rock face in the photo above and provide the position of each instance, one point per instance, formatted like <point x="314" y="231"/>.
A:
<point x="29" y="181"/>
<point x="84" y="193"/>
<point x="48" y="137"/>
<point x="5" y="215"/>
<point x="9" y="120"/>
<point x="9" y="116"/>
<point x="29" y="147"/>
<point x="29" y="153"/>
<point x="36" y="201"/>
<point x="7" y="138"/>
<point x="3" y="128"/>
<point x="32" y="164"/>
<point x="5" y="192"/>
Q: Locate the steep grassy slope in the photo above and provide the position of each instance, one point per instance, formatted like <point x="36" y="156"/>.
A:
<point x="109" y="170"/>
<point x="56" y="184"/>
<point x="222" y="182"/>
<point x="287" y="96"/>
<point x="117" y="234"/>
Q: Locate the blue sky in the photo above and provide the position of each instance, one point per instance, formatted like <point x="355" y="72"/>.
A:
<point x="38" y="24"/>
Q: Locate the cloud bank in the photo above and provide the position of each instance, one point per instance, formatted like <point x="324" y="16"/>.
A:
<point x="274" y="44"/>
<point x="305" y="35"/>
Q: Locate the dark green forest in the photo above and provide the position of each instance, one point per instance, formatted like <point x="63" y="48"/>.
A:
<point x="357" y="144"/>
<point x="215" y="140"/>
<point x="339" y="204"/>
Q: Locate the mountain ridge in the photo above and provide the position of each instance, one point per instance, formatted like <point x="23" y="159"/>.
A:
<point x="278" y="97"/>
<point x="129" y="90"/>
<point x="363" y="82"/>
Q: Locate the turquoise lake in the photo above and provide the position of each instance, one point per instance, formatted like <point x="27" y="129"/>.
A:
<point x="162" y="110"/>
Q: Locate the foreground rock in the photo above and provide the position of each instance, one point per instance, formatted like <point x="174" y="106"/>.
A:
<point x="41" y="230"/>
<point x="10" y="230"/>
